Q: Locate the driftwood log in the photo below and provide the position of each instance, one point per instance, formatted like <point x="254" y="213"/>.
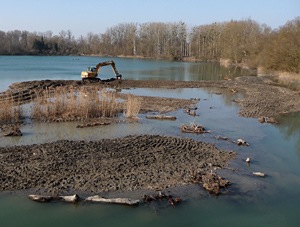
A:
<point x="41" y="198"/>
<point x="161" y="117"/>
<point x="125" y="201"/>
<point x="259" y="174"/>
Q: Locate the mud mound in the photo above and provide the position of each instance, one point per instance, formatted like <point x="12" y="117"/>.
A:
<point x="129" y="163"/>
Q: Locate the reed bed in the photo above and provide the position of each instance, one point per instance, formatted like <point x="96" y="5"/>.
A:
<point x="132" y="106"/>
<point x="10" y="112"/>
<point x="71" y="104"/>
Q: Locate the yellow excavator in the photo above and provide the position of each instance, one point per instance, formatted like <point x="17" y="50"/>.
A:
<point x="92" y="72"/>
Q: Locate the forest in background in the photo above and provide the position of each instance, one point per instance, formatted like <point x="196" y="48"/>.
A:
<point x="244" y="42"/>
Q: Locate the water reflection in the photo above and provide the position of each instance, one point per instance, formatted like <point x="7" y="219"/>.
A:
<point x="290" y="128"/>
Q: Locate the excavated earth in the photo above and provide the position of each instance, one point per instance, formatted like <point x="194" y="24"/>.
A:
<point x="134" y="162"/>
<point x="131" y="163"/>
<point x="262" y="97"/>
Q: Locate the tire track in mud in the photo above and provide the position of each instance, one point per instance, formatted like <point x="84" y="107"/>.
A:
<point x="129" y="163"/>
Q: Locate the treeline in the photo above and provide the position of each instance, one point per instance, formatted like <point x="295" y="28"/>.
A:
<point x="241" y="42"/>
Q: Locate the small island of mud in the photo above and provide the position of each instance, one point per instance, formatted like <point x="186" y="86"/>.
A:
<point x="150" y="162"/>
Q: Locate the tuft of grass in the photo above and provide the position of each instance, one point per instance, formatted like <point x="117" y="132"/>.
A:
<point x="132" y="106"/>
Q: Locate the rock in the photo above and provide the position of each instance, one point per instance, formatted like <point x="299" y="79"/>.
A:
<point x="241" y="142"/>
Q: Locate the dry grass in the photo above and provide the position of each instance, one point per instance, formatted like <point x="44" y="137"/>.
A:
<point x="290" y="80"/>
<point x="70" y="104"/>
<point x="10" y="112"/>
<point x="132" y="106"/>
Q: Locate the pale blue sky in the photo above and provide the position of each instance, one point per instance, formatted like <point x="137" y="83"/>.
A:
<point x="95" y="16"/>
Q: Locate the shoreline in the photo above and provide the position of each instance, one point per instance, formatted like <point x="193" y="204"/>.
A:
<point x="143" y="162"/>
<point x="262" y="98"/>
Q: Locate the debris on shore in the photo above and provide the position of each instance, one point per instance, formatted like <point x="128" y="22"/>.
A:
<point x="193" y="128"/>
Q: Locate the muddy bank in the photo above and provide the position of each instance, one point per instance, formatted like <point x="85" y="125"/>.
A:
<point x="130" y="163"/>
<point x="263" y="97"/>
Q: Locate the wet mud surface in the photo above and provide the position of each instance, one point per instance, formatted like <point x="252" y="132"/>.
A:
<point x="263" y="98"/>
<point x="135" y="162"/>
<point x="149" y="162"/>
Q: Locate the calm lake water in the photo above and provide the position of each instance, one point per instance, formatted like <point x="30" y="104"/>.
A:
<point x="250" y="201"/>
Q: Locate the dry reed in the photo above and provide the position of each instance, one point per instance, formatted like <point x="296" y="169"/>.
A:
<point x="10" y="112"/>
<point x="290" y="80"/>
<point x="133" y="106"/>
<point x="71" y="104"/>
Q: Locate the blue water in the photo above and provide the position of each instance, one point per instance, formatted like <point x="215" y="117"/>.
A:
<point x="250" y="201"/>
<point x="24" y="68"/>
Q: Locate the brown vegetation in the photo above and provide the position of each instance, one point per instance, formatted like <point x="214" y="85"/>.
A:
<point x="71" y="104"/>
<point x="243" y="42"/>
<point x="132" y="106"/>
<point x="10" y="112"/>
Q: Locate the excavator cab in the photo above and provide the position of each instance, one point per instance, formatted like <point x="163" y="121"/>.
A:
<point x="92" y="72"/>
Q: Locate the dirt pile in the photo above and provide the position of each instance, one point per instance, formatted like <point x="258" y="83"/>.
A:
<point x="129" y="163"/>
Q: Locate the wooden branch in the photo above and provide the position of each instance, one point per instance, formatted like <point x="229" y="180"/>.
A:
<point x="41" y="198"/>
<point x="161" y="117"/>
<point x="125" y="201"/>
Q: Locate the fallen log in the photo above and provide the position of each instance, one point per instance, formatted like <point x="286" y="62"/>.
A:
<point x="125" y="201"/>
<point x="69" y="198"/>
<point x="42" y="198"/>
<point x="161" y="117"/>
